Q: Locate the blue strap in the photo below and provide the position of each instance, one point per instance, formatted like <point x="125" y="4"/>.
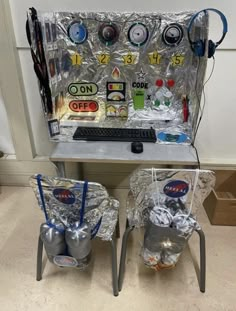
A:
<point x="95" y="229"/>
<point x="39" y="176"/>
<point x="62" y="230"/>
<point x="85" y="189"/>
<point x="42" y="197"/>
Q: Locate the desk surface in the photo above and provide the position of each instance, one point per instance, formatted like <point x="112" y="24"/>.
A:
<point x="120" y="152"/>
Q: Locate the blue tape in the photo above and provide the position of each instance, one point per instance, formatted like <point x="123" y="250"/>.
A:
<point x="42" y="197"/>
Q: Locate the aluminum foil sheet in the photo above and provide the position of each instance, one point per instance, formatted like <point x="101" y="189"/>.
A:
<point x="165" y="203"/>
<point x="63" y="202"/>
<point x="144" y="191"/>
<point x="124" y="76"/>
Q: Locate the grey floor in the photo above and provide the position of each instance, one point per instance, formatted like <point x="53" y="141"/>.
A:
<point x="143" y="289"/>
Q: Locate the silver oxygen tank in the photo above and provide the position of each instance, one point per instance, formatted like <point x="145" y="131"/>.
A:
<point x="78" y="240"/>
<point x="53" y="239"/>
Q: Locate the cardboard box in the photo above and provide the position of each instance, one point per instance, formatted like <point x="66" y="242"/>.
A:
<point x="220" y="205"/>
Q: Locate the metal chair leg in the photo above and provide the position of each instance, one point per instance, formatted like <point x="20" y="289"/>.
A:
<point x="123" y="256"/>
<point x="202" y="280"/>
<point x="118" y="228"/>
<point x="114" y="268"/>
<point x="39" y="259"/>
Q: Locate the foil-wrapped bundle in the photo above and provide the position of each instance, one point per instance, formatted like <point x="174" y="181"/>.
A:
<point x="63" y="199"/>
<point x="78" y="240"/>
<point x="53" y="238"/>
<point x="74" y="214"/>
<point x="165" y="202"/>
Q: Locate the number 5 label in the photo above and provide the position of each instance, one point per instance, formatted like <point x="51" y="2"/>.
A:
<point x="177" y="60"/>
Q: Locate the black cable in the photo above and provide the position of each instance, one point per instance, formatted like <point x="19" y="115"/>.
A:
<point x="198" y="160"/>
<point x="201" y="108"/>
<point x="212" y="70"/>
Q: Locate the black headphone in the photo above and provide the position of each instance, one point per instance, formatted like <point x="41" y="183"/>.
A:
<point x="198" y="47"/>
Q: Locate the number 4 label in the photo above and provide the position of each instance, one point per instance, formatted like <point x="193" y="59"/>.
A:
<point x="154" y="58"/>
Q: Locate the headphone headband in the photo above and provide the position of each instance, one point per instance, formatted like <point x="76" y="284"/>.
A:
<point x="223" y="19"/>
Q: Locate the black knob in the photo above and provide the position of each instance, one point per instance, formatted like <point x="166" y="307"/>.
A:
<point x="108" y="33"/>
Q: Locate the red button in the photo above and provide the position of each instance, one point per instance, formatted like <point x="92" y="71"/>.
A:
<point x="159" y="82"/>
<point x="170" y="82"/>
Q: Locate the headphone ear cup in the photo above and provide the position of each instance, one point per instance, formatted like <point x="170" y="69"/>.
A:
<point x="199" y="48"/>
<point x="211" y="48"/>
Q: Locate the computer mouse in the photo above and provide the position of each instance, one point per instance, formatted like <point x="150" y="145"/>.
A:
<point x="137" y="147"/>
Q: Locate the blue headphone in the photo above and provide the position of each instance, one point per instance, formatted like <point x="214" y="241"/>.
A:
<point x="198" y="47"/>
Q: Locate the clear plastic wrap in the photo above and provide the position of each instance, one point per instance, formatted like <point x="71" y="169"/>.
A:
<point x="165" y="202"/>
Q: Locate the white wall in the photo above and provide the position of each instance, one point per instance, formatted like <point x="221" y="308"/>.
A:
<point x="6" y="144"/>
<point x="216" y="141"/>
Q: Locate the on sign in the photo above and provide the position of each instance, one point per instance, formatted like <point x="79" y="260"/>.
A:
<point x="83" y="105"/>
<point x="83" y="89"/>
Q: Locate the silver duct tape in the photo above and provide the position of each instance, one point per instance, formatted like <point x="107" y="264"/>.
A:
<point x="63" y="203"/>
<point x="163" y="244"/>
<point x="144" y="192"/>
<point x="53" y="240"/>
<point x="78" y="240"/>
<point x="163" y="108"/>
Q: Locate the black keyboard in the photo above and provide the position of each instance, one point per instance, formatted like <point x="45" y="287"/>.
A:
<point x="115" y="134"/>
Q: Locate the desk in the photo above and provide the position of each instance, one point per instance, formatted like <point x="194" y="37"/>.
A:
<point x="120" y="152"/>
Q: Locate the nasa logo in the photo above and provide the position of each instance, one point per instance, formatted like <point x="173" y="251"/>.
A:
<point x="64" y="196"/>
<point x="176" y="189"/>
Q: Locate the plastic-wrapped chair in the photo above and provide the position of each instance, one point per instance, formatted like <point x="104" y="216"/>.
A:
<point x="164" y="202"/>
<point x="75" y="212"/>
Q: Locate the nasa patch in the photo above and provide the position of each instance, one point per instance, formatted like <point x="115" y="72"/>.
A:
<point x="176" y="188"/>
<point x="64" y="196"/>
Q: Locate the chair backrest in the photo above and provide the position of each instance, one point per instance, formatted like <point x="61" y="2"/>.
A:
<point x="169" y="185"/>
<point x="63" y="198"/>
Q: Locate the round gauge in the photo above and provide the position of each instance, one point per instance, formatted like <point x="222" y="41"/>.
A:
<point x="138" y="34"/>
<point x="108" y="33"/>
<point x="77" y="32"/>
<point x="172" y="34"/>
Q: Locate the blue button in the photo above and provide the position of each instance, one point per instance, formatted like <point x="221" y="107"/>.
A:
<point x="77" y="32"/>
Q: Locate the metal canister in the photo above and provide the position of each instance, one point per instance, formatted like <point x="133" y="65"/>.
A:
<point x="78" y="240"/>
<point x="53" y="239"/>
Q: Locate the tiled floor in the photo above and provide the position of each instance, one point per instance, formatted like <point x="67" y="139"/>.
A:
<point x="144" y="289"/>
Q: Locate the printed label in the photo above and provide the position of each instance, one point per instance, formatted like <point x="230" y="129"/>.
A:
<point x="54" y="128"/>
<point x="64" y="196"/>
<point x="154" y="58"/>
<point x="177" y="60"/>
<point x="103" y="58"/>
<point x="65" y="261"/>
<point x="76" y="59"/>
<point x="129" y="59"/>
<point x="83" y="106"/>
<point x="176" y="188"/>
<point x="117" y="110"/>
<point x="83" y="89"/>
<point x="116" y="91"/>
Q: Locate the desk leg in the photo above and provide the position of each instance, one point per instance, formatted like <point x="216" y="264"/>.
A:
<point x="61" y="172"/>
